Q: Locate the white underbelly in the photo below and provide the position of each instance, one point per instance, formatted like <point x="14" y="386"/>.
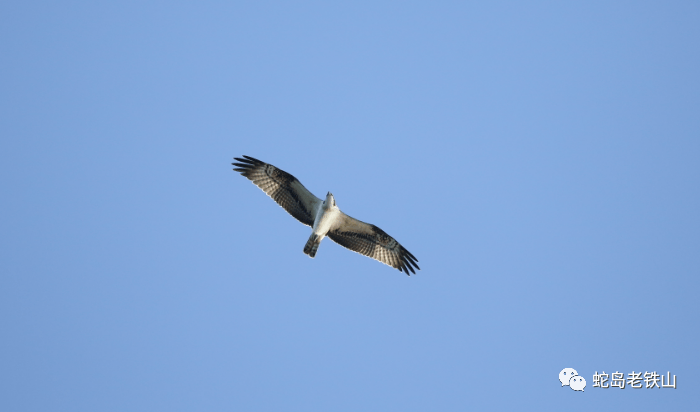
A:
<point x="324" y="221"/>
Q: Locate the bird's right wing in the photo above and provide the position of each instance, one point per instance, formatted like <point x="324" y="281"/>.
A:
<point x="282" y="187"/>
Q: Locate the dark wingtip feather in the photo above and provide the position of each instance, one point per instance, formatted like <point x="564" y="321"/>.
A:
<point x="409" y="260"/>
<point x="248" y="160"/>
<point x="410" y="268"/>
<point x="405" y="267"/>
<point x="411" y="255"/>
<point x="246" y="164"/>
<point x="252" y="159"/>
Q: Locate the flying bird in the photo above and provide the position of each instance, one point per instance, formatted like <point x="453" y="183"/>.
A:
<point x="324" y="217"/>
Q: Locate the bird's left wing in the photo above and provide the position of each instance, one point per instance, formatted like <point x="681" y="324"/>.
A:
<point x="282" y="187"/>
<point x="372" y="241"/>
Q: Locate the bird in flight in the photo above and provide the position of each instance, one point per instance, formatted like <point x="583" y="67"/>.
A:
<point x="324" y="217"/>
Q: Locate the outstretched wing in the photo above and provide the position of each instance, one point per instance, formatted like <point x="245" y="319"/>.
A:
<point x="372" y="241"/>
<point x="282" y="187"/>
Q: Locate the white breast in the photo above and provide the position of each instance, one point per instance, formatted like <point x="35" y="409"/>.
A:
<point x="325" y="219"/>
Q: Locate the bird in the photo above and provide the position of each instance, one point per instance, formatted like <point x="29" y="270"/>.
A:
<point x="324" y="217"/>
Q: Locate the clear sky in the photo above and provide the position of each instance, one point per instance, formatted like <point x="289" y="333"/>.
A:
<point x="540" y="159"/>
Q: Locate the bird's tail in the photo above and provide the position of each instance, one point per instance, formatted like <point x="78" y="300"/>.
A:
<point x="312" y="245"/>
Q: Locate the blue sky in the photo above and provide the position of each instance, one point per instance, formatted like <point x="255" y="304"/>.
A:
<point x="540" y="160"/>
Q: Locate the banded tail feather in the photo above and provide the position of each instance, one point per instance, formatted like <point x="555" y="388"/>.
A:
<point x="312" y="245"/>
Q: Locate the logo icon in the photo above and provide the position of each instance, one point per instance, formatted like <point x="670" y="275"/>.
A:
<point x="569" y="377"/>
<point x="577" y="383"/>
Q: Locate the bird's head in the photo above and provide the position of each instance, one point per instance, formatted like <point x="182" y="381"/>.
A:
<point x="330" y="201"/>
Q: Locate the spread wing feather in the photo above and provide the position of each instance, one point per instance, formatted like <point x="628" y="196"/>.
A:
<point x="372" y="241"/>
<point x="282" y="187"/>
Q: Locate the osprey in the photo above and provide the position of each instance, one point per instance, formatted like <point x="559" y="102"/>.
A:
<point x="324" y="217"/>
